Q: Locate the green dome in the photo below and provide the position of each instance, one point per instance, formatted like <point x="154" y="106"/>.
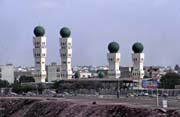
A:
<point x="113" y="47"/>
<point x="65" y="32"/>
<point x="137" y="47"/>
<point x="39" y="31"/>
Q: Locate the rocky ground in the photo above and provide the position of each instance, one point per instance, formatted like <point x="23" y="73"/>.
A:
<point x="57" y="107"/>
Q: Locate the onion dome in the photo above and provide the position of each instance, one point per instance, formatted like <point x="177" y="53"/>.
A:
<point x="113" y="47"/>
<point x="137" y="47"/>
<point x="39" y="31"/>
<point x="65" y="32"/>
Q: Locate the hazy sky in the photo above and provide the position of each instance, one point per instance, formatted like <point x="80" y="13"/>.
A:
<point x="94" y="23"/>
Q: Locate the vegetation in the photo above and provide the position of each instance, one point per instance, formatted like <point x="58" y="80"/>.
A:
<point x="101" y="74"/>
<point x="77" y="74"/>
<point x="26" y="79"/>
<point x="17" y="88"/>
<point x="4" y="84"/>
<point x="169" y="80"/>
<point x="61" y="86"/>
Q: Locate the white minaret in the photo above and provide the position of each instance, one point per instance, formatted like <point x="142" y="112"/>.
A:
<point x="39" y="52"/>
<point x="138" y="62"/>
<point x="66" y="53"/>
<point x="114" y="60"/>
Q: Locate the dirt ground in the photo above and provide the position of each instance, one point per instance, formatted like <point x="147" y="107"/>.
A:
<point x="60" y="107"/>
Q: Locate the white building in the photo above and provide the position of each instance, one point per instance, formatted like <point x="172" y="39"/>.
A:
<point x="39" y="52"/>
<point x="7" y="73"/>
<point x="85" y="74"/>
<point x="138" y="63"/>
<point x="66" y="53"/>
<point x="114" y="60"/>
<point x="53" y="72"/>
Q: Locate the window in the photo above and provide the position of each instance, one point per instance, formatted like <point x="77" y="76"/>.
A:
<point x="37" y="44"/>
<point x="37" y="62"/>
<point x="37" y="55"/>
<point x="0" y="70"/>
<point x="57" y="70"/>
<point x="62" y="43"/>
<point x="64" y="62"/>
<point x="0" y="76"/>
<point x="110" y="59"/>
<point x="135" y="59"/>
<point x="43" y="54"/>
<point x="63" y="55"/>
<point x="43" y="44"/>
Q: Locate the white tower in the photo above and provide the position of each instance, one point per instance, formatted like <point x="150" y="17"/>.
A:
<point x="66" y="53"/>
<point x="138" y="62"/>
<point x="114" y="60"/>
<point x="39" y="52"/>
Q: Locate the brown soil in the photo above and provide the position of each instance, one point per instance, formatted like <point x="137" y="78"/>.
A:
<point x="54" y="107"/>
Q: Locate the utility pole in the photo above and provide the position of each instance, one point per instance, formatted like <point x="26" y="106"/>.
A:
<point x="117" y="88"/>
<point x="157" y="98"/>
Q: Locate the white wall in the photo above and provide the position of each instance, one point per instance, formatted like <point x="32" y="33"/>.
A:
<point x="66" y="56"/>
<point x="54" y="72"/>
<point x="7" y="73"/>
<point x="85" y="74"/>
<point x="114" y="62"/>
<point x="39" y="52"/>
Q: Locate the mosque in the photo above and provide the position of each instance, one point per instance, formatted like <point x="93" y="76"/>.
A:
<point x="65" y="40"/>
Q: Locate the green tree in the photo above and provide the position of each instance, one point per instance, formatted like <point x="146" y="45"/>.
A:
<point x="18" y="88"/>
<point x="169" y="80"/>
<point x="77" y="74"/>
<point x="61" y="86"/>
<point x="4" y="83"/>
<point x="101" y="74"/>
<point x="26" y="79"/>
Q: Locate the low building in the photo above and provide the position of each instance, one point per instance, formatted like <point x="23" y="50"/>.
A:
<point x="154" y="71"/>
<point x="53" y="72"/>
<point x="7" y="72"/>
<point x="85" y="75"/>
<point x="126" y="72"/>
